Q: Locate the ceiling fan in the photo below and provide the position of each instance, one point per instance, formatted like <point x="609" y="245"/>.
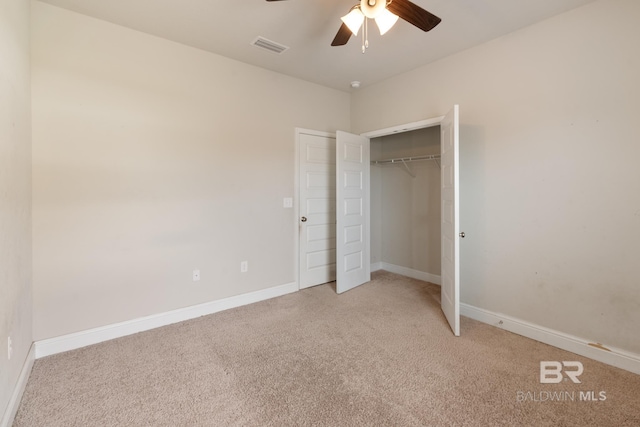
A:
<point x="385" y="13"/>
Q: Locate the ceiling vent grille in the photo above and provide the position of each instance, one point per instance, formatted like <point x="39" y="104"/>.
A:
<point x="269" y="45"/>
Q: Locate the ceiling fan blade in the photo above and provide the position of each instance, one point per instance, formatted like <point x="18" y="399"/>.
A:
<point x="413" y="14"/>
<point x="342" y="37"/>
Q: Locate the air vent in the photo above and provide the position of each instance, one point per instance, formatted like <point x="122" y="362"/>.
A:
<point x="269" y="45"/>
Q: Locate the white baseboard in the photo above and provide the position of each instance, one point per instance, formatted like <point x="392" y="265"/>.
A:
<point x="76" y="340"/>
<point x="404" y="271"/>
<point x="615" y="357"/>
<point x="18" y="391"/>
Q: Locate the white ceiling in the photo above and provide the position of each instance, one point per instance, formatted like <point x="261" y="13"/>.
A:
<point x="227" y="27"/>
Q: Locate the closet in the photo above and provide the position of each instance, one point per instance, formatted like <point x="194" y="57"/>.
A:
<point x="395" y="196"/>
<point x="405" y="203"/>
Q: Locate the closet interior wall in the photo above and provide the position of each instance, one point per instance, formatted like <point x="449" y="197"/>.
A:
<point x="405" y="209"/>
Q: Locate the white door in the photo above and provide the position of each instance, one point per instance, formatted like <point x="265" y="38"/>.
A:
<point x="450" y="291"/>
<point x="317" y="208"/>
<point x="352" y="206"/>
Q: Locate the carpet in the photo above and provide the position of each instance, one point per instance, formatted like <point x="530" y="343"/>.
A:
<point x="379" y="355"/>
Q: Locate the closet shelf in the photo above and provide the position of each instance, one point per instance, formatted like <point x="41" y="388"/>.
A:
<point x="405" y="160"/>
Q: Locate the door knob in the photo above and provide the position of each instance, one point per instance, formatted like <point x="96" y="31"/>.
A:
<point x="303" y="219"/>
<point x="462" y="234"/>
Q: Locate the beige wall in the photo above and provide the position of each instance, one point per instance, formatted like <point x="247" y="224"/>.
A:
<point x="405" y="213"/>
<point x="15" y="194"/>
<point x="550" y="183"/>
<point x="151" y="159"/>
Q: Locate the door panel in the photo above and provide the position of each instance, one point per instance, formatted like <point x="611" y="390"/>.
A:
<point x="450" y="290"/>
<point x="352" y="194"/>
<point x="317" y="203"/>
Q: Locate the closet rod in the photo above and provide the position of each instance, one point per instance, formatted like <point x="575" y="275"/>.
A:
<point x="407" y="159"/>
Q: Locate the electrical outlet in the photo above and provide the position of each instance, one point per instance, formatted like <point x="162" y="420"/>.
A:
<point x="244" y="266"/>
<point x="9" y="348"/>
<point x="287" y="202"/>
<point x="196" y="275"/>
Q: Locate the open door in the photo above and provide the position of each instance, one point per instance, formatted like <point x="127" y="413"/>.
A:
<point x="353" y="260"/>
<point x="450" y="217"/>
<point x="317" y="207"/>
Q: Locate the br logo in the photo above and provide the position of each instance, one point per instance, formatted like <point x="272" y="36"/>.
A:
<point x="551" y="371"/>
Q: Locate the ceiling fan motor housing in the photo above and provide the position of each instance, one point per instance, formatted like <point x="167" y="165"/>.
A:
<point x="372" y="8"/>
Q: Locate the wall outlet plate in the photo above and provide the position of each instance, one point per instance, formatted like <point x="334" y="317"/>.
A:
<point x="244" y="266"/>
<point x="196" y="275"/>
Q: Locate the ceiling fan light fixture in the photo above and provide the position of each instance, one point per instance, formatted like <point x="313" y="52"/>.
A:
<point x="353" y="20"/>
<point x="385" y="21"/>
<point x="372" y="8"/>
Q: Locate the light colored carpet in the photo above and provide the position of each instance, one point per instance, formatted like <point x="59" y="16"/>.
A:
<point x="381" y="354"/>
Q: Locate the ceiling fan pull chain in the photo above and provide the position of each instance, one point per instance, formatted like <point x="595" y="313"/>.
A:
<point x="364" y="30"/>
<point x="365" y="36"/>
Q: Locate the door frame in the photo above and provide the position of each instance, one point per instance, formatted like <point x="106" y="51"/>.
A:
<point x="421" y="124"/>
